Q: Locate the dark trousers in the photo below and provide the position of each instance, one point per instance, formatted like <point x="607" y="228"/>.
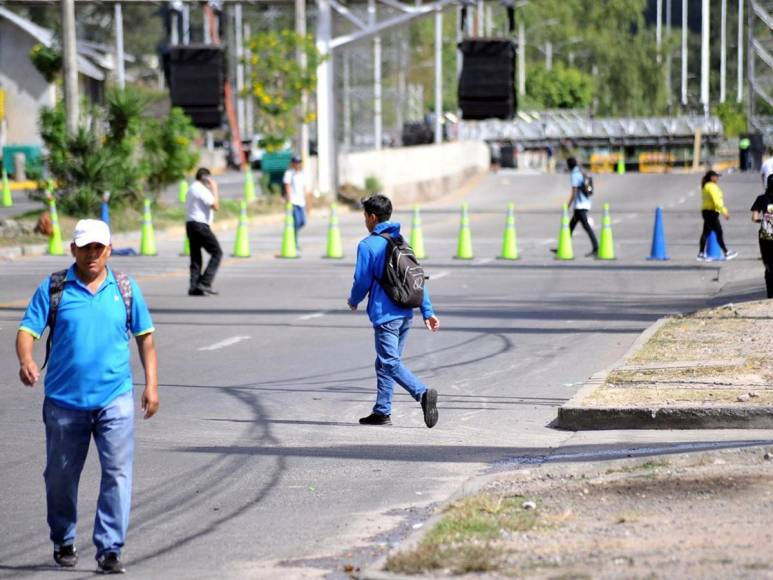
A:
<point x="581" y="215"/>
<point x="766" y="251"/>
<point x="201" y="236"/>
<point x="711" y="224"/>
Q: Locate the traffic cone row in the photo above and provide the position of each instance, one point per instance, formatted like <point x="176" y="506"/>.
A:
<point x="464" y="243"/>
<point x="242" y="242"/>
<point x="565" y="250"/>
<point x="606" y="243"/>
<point x="7" y="197"/>
<point x="334" y="246"/>
<point x="289" y="249"/>
<point x="148" y="237"/>
<point x="509" y="243"/>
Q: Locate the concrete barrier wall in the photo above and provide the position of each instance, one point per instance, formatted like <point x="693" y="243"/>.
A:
<point x="416" y="173"/>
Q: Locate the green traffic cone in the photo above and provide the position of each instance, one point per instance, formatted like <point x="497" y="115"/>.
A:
<point x="464" y="244"/>
<point x="249" y="186"/>
<point x="55" y="239"/>
<point x="606" y="243"/>
<point x="186" y="247"/>
<point x="509" y="243"/>
<point x="621" y="164"/>
<point x="182" y="191"/>
<point x="289" y="249"/>
<point x="417" y="237"/>
<point x="242" y="242"/>
<point x="7" y="198"/>
<point x="148" y="237"/>
<point x="334" y="245"/>
<point x="565" y="250"/>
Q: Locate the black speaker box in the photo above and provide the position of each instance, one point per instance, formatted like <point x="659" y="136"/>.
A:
<point x="487" y="83"/>
<point x="205" y="117"/>
<point x="197" y="76"/>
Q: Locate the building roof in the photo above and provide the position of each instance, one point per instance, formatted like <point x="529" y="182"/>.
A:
<point x="46" y="37"/>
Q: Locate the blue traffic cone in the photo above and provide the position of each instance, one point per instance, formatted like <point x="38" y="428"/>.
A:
<point x="105" y="214"/>
<point x="658" y="251"/>
<point x="713" y="251"/>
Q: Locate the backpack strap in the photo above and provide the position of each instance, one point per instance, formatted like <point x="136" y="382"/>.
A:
<point x="55" y="291"/>
<point x="125" y="288"/>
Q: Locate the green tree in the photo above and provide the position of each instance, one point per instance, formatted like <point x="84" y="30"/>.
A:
<point x="560" y="88"/>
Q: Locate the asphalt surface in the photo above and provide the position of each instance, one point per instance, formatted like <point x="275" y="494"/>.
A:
<point x="255" y="466"/>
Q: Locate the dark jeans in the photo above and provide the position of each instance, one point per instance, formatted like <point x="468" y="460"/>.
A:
<point x="201" y="236"/>
<point x="299" y="219"/>
<point x="581" y="215"/>
<point x="766" y="251"/>
<point x="711" y="224"/>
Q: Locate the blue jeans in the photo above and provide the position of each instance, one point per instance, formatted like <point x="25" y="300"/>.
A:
<point x="299" y="219"/>
<point x="390" y="341"/>
<point x="68" y="435"/>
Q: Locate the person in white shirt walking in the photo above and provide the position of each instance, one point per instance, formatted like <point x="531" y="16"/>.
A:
<point x="766" y="170"/>
<point x="581" y="202"/>
<point x="296" y="191"/>
<point x="203" y="200"/>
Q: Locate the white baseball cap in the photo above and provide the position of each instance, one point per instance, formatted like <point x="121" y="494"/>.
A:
<point x="89" y="232"/>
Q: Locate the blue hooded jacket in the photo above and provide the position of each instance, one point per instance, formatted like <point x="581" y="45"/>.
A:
<point x="371" y="254"/>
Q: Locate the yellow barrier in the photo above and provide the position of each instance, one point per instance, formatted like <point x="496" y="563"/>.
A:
<point x="603" y="162"/>
<point x="656" y="162"/>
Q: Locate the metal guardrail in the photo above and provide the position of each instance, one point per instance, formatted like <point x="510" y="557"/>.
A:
<point x="552" y="128"/>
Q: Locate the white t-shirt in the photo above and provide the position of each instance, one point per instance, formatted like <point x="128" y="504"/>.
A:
<point x="766" y="170"/>
<point x="297" y="182"/>
<point x="581" y="201"/>
<point x="198" y="205"/>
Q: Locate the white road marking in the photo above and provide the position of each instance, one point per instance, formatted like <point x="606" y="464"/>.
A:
<point x="483" y="261"/>
<point x="313" y="315"/>
<point x="439" y="275"/>
<point x="224" y="343"/>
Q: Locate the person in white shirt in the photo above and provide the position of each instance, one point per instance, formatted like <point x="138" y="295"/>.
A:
<point x="203" y="200"/>
<point x="766" y="170"/>
<point x="581" y="204"/>
<point x="295" y="191"/>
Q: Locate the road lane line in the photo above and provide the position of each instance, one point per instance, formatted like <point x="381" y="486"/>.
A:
<point x="439" y="275"/>
<point x="224" y="343"/>
<point x="483" y="261"/>
<point x="311" y="316"/>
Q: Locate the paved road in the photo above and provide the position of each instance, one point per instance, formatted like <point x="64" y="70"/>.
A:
<point x="256" y="466"/>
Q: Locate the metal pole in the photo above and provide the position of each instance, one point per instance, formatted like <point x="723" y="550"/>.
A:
<point x="347" y="98"/>
<point x="249" y="105"/>
<point x="377" y="121"/>
<point x="684" y="53"/>
<point x="548" y="55"/>
<point x="705" y="20"/>
<point x="739" y="82"/>
<point x="750" y="63"/>
<point x="438" y="77"/>
<point x="723" y="51"/>
<point x="119" y="61"/>
<point x="669" y="57"/>
<point x="659" y="28"/>
<point x="174" y="28"/>
<point x="186" y="17"/>
<point x="69" y="62"/>
<point x="402" y="65"/>
<point x="300" y="29"/>
<point x="521" y="59"/>
<point x="240" y="104"/>
<point x="206" y="32"/>
<point x="481" y="18"/>
<point x="326" y="146"/>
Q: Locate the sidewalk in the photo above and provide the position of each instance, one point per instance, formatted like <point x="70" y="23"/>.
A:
<point x="708" y="370"/>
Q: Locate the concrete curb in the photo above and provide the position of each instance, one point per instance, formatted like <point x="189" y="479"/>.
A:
<point x="574" y="416"/>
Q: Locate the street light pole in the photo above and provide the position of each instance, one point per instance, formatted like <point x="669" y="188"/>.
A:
<point x="119" y="58"/>
<point x="521" y="59"/>
<point x="300" y="30"/>
<point x="438" y="77"/>
<point x="705" y="20"/>
<point x="70" y="65"/>
<point x="684" y="53"/>
<point x="659" y="29"/>
<point x="723" y="51"/>
<point x="739" y="82"/>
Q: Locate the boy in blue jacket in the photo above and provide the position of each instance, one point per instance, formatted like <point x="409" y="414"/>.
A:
<point x="391" y="323"/>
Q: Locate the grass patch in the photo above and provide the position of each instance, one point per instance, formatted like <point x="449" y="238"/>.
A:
<point x="464" y="540"/>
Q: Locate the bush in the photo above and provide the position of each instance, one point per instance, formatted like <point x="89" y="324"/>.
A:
<point x="373" y="185"/>
<point x="560" y="88"/>
<point x="733" y="118"/>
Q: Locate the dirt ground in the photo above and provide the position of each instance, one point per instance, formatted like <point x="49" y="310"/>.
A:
<point x="714" y="357"/>
<point x="704" y="515"/>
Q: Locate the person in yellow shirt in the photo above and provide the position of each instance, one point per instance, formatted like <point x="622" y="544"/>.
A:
<point x="713" y="205"/>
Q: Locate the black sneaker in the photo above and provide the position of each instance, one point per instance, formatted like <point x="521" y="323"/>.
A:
<point x="196" y="292"/>
<point x="376" y="419"/>
<point x="592" y="254"/>
<point x="110" y="563"/>
<point x="208" y="290"/>
<point x="429" y="406"/>
<point x="66" y="556"/>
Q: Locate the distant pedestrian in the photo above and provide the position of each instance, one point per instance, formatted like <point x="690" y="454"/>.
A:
<point x="202" y="201"/>
<point x="580" y="201"/>
<point x="766" y="169"/>
<point x="91" y="311"/>
<point x="745" y="153"/>
<point x="391" y="322"/>
<point x="762" y="213"/>
<point x="296" y="191"/>
<point x="713" y="206"/>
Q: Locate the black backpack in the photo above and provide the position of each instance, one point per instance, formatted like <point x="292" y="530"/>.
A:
<point x="403" y="278"/>
<point x="587" y="185"/>
<point x="56" y="289"/>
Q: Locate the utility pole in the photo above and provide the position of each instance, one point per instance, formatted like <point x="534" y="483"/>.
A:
<point x="739" y="82"/>
<point x="669" y="57"/>
<point x="705" y="21"/>
<point x="240" y="104"/>
<point x="70" y="65"/>
<point x="249" y="105"/>
<point x="377" y="121"/>
<point x="659" y="29"/>
<point x="438" y="77"/>
<point x="521" y="60"/>
<point x="186" y="18"/>
<point x="548" y="55"/>
<point x="300" y="29"/>
<point x="684" y="53"/>
<point x="723" y="51"/>
<point x="119" y="58"/>
<point x="326" y="148"/>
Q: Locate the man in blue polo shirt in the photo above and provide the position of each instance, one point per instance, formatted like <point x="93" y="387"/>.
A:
<point x="88" y="391"/>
